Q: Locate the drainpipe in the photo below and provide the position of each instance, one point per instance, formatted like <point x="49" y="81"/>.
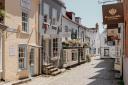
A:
<point x="40" y="36"/>
<point x="1" y="55"/>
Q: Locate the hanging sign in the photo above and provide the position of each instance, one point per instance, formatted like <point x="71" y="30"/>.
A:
<point x="113" y="13"/>
<point x="112" y="34"/>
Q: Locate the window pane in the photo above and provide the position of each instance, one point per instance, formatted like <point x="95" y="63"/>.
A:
<point x="24" y="22"/>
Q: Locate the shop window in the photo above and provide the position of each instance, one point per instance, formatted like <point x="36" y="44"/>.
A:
<point x="25" y="22"/>
<point x="82" y="55"/>
<point x="64" y="56"/>
<point x="74" y="56"/>
<point x="55" y="47"/>
<point x="22" y="56"/>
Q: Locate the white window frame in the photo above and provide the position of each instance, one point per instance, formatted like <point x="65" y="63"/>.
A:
<point x="25" y="21"/>
<point x="23" y="65"/>
<point x="55" y="47"/>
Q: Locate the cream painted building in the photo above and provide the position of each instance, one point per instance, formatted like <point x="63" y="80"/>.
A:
<point x="20" y="39"/>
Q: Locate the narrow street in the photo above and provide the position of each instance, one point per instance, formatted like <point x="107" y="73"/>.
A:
<point x="97" y="72"/>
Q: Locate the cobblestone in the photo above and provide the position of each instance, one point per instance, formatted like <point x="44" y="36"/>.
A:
<point x="97" y="72"/>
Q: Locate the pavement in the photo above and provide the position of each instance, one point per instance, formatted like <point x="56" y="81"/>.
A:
<point x="97" y="72"/>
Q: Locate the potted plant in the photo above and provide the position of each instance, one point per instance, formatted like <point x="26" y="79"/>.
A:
<point x="2" y="14"/>
<point x="65" y="44"/>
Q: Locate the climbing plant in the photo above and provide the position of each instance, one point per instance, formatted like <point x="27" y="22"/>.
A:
<point x="2" y="13"/>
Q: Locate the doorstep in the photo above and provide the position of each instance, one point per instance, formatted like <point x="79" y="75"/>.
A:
<point x="18" y="82"/>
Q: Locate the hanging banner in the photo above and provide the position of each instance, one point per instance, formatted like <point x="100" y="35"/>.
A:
<point x="112" y="34"/>
<point x="113" y="13"/>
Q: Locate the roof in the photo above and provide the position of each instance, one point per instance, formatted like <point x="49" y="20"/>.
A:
<point x="61" y="2"/>
<point x="74" y="22"/>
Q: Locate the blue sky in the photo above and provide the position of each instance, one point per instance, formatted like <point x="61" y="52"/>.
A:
<point x="89" y="10"/>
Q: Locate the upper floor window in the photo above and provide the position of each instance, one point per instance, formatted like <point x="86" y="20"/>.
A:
<point x="74" y="55"/>
<point x="25" y="22"/>
<point x="54" y="16"/>
<point x="66" y="28"/>
<point x="45" y="18"/>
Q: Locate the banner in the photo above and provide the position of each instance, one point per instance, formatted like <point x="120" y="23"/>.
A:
<point x="113" y="13"/>
<point x="112" y="34"/>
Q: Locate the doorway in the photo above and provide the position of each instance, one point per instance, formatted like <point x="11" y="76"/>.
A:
<point x="106" y="52"/>
<point x="32" y="66"/>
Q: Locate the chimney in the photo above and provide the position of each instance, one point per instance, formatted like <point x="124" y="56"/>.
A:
<point x="71" y="15"/>
<point x="78" y="20"/>
<point x="97" y="26"/>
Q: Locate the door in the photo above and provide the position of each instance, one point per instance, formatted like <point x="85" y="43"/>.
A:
<point x="45" y="52"/>
<point x="32" y="55"/>
<point x="106" y="52"/>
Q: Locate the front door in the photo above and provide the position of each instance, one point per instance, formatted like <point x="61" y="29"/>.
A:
<point x="46" y="52"/>
<point x="32" y="54"/>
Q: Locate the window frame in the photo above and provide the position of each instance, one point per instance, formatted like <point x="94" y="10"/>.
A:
<point x="74" y="58"/>
<point x="55" y="47"/>
<point x="25" y="21"/>
<point x="22" y="66"/>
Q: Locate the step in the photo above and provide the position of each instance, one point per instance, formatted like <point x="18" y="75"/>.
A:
<point x="53" y="69"/>
<point x="56" y="73"/>
<point x="49" y="67"/>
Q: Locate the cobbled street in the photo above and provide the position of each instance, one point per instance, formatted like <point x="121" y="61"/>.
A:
<point x="97" y="72"/>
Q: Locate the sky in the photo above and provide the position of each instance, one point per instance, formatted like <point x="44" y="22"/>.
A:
<point x="89" y="10"/>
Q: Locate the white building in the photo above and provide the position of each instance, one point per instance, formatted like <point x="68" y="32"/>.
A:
<point x="93" y="34"/>
<point x="50" y="29"/>
<point x="107" y="51"/>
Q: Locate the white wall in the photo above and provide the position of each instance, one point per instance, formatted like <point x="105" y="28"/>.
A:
<point x="71" y="25"/>
<point x="94" y="40"/>
<point x="104" y="45"/>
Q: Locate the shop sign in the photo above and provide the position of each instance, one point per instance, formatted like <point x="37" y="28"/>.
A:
<point x="113" y="13"/>
<point x="26" y="4"/>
